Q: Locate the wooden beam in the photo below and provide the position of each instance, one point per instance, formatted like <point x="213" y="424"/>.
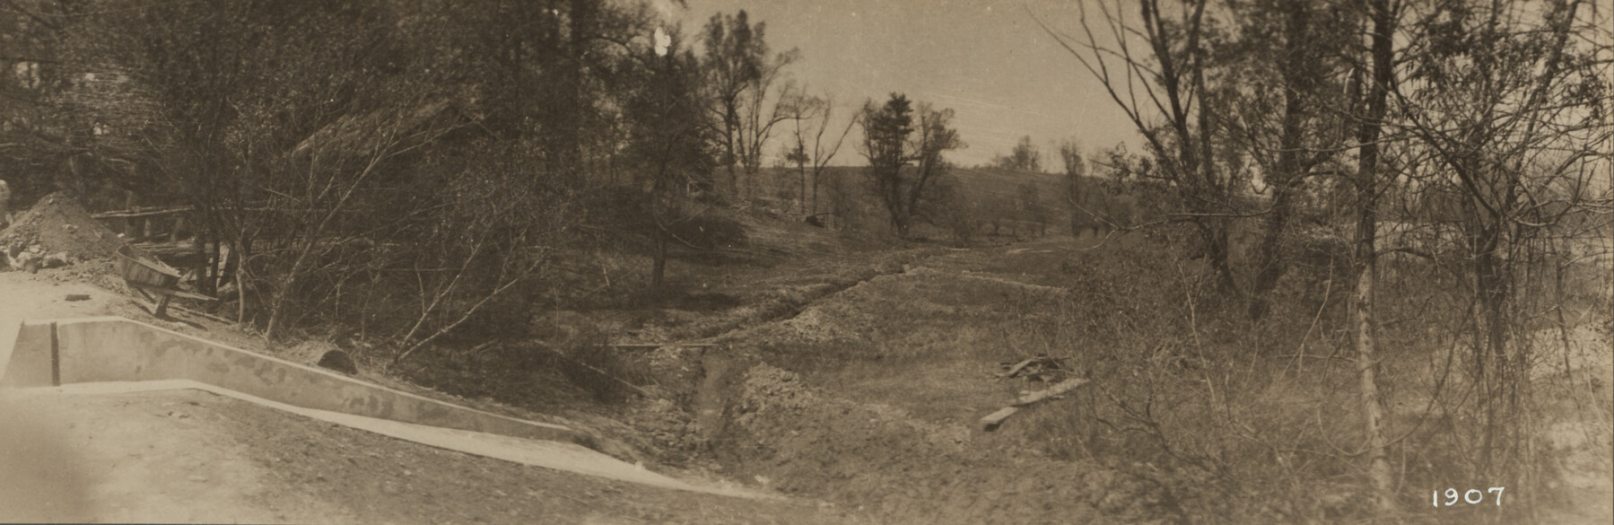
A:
<point x="653" y="346"/>
<point x="140" y="213"/>
<point x="1050" y="392"/>
<point x="995" y="420"/>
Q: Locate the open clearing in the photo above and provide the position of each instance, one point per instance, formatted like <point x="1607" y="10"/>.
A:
<point x="851" y="385"/>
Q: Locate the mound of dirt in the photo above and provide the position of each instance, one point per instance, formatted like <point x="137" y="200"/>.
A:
<point x="58" y="229"/>
<point x="879" y="460"/>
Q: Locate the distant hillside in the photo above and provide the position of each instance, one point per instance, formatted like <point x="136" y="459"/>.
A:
<point x="983" y="195"/>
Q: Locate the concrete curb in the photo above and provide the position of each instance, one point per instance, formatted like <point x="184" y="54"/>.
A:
<point x="567" y="457"/>
<point x="111" y="355"/>
<point x="97" y="349"/>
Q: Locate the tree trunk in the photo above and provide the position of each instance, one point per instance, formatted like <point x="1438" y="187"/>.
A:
<point x="1492" y="367"/>
<point x="814" y="210"/>
<point x="1373" y="416"/>
<point x="1213" y="236"/>
<point x="658" y="269"/>
<point x="237" y="254"/>
<point x="1287" y="177"/>
<point x="801" y="197"/>
<point x="582" y="22"/>
<point x="1270" y="265"/>
<point x="208" y="247"/>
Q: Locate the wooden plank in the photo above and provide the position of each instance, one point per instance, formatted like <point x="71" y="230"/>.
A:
<point x="189" y="311"/>
<point x="140" y="213"/>
<point x="190" y="295"/>
<point x="1050" y="392"/>
<point x="1015" y="370"/>
<point x="653" y="346"/>
<point x="995" y="420"/>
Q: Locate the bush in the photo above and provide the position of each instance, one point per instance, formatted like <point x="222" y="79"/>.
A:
<point x="708" y="232"/>
<point x="1188" y="394"/>
<point x="595" y="368"/>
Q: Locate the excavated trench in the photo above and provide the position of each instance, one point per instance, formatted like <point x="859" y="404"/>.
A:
<point x="762" y="423"/>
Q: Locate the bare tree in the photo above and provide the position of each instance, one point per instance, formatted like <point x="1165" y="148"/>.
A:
<point x="808" y="150"/>
<point x="333" y="168"/>
<point x="1167" y="83"/>
<point x="670" y="150"/>
<point x="892" y="147"/>
<point x="1029" y="200"/>
<point x="1300" y="134"/>
<point x="1381" y="35"/>
<point x="741" y="74"/>
<point x="490" y="236"/>
<point x="1501" y="95"/>
<point x="1024" y="157"/>
<point x="1078" y="195"/>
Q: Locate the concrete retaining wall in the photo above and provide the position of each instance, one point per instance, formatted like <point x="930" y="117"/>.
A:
<point x="117" y="349"/>
<point x="28" y="364"/>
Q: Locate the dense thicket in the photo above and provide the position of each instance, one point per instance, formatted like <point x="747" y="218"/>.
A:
<point x="1303" y="128"/>
<point x="394" y="166"/>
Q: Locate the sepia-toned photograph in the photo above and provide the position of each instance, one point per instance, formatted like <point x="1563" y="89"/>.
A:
<point x="610" y="262"/>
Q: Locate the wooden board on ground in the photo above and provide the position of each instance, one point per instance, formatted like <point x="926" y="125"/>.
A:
<point x="1042" y="363"/>
<point x="1043" y="395"/>
<point x="654" y="346"/>
<point x="1015" y="370"/>
<point x="994" y="420"/>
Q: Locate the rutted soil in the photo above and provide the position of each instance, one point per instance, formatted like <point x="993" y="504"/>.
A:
<point x="780" y="295"/>
<point x="868" y="395"/>
<point x="878" y="459"/>
<point x="761" y="422"/>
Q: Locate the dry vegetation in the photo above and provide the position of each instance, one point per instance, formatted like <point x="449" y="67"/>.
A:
<point x="1323" y="292"/>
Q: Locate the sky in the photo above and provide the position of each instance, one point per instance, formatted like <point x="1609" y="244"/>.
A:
<point x="987" y="60"/>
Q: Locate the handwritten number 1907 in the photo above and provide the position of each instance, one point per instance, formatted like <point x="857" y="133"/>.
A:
<point x="1470" y="497"/>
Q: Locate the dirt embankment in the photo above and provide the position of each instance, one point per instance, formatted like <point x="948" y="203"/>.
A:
<point x="757" y="422"/>
<point x="57" y="231"/>
<point x="877" y="459"/>
<point x="773" y="299"/>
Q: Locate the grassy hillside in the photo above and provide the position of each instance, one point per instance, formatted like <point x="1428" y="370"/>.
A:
<point x="984" y="196"/>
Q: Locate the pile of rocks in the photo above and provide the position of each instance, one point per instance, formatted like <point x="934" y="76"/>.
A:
<point x="33" y="258"/>
<point x="55" y="232"/>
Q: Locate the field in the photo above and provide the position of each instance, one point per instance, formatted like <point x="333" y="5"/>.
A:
<point x="848" y="373"/>
<point x="854" y="374"/>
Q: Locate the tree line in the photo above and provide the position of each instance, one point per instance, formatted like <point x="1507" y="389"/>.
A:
<point x="416" y="168"/>
<point x="1483" y="125"/>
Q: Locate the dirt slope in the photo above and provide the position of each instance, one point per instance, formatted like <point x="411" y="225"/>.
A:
<point x="869" y="397"/>
<point x="59" y="225"/>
